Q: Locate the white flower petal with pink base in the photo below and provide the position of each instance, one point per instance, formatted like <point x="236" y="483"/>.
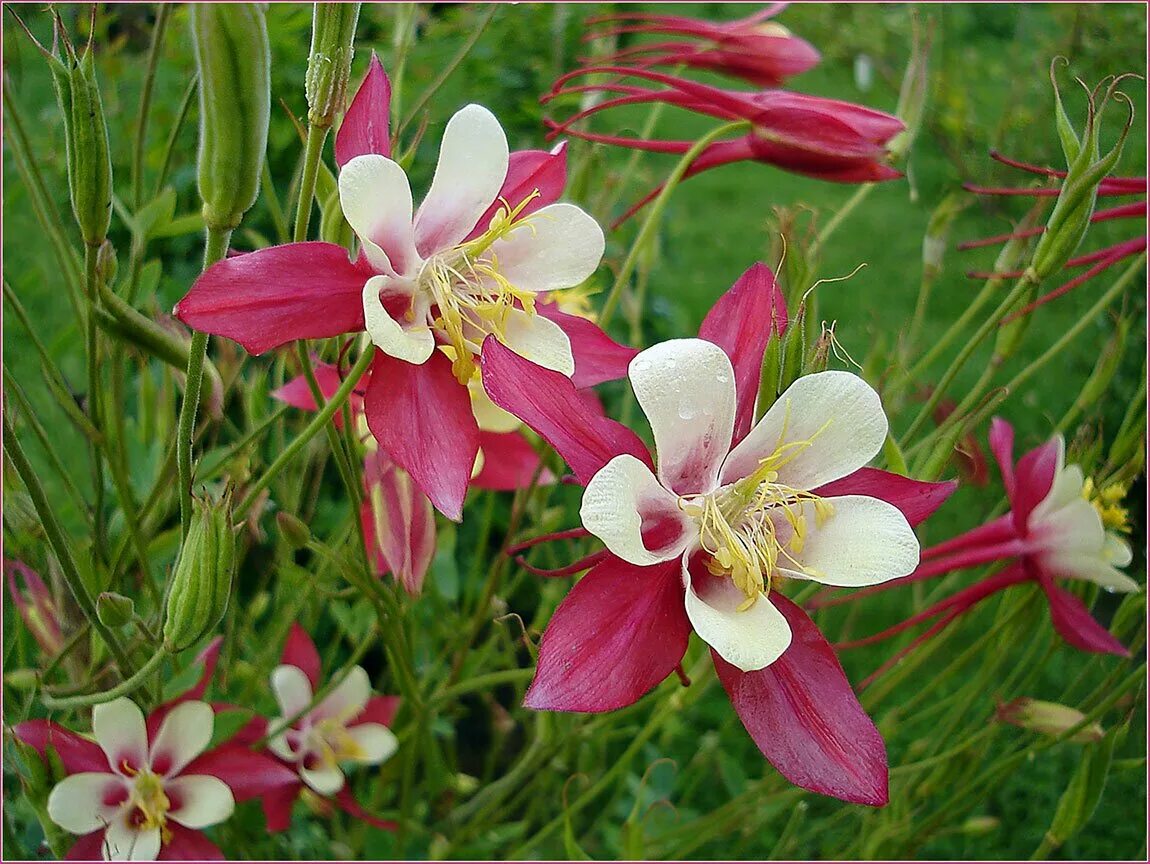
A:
<point x="489" y="416"/>
<point x="376" y="201"/>
<point x="472" y="166"/>
<point x="376" y="742"/>
<point x="1091" y="568"/>
<point x="686" y="388"/>
<point x="77" y="805"/>
<point x="183" y="735"/>
<point x="864" y="542"/>
<point x="539" y="340"/>
<point x="348" y="698"/>
<point x="752" y="639"/>
<point x="412" y="344"/>
<point x="118" y="727"/>
<point x="621" y="497"/>
<point x="557" y="247"/>
<point x="326" y="780"/>
<point x="122" y="842"/>
<point x="202" y="800"/>
<point x="292" y="689"/>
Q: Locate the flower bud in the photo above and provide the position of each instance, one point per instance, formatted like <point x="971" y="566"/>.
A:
<point x="22" y="679"/>
<point x="912" y="95"/>
<point x="35" y="604"/>
<point x="234" y="63"/>
<point x="1048" y="718"/>
<point x="1105" y="369"/>
<point x="202" y="578"/>
<point x="329" y="63"/>
<point x="1086" y="169"/>
<point x="85" y="138"/>
<point x="107" y="263"/>
<point x="294" y="531"/>
<point x="114" y="610"/>
<point x="976" y="825"/>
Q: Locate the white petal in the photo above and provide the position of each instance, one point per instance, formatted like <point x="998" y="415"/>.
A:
<point x="865" y="541"/>
<point x="1066" y="488"/>
<point x="621" y="497"/>
<point x="471" y="169"/>
<point x="836" y="412"/>
<point x="203" y="800"/>
<point x="489" y="416"/>
<point x="1091" y="568"/>
<point x="413" y="343"/>
<point x="376" y="742"/>
<point x="376" y="201"/>
<point x="77" y="805"/>
<point x="184" y="735"/>
<point x="557" y="247"/>
<point x="118" y="727"/>
<point x="539" y="340"/>
<point x="1117" y="551"/>
<point x="686" y="388"/>
<point x="750" y="640"/>
<point x="122" y="842"/>
<point x="348" y="698"/>
<point x="280" y="745"/>
<point x="292" y="689"/>
<point x="1075" y="527"/>
<point x="326" y="780"/>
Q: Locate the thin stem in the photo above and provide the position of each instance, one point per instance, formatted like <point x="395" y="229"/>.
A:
<point x="860" y="195"/>
<point x="125" y="687"/>
<point x="158" y="29"/>
<point x="318" y="421"/>
<point x="316" y="135"/>
<point x="647" y="231"/>
<point x="215" y="249"/>
<point x="170" y="146"/>
<point x="60" y="546"/>
<point x="91" y="277"/>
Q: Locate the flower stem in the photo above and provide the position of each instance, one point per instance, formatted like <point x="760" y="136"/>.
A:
<point x="215" y="249"/>
<point x="316" y="135"/>
<point x="59" y="544"/>
<point x="125" y="687"/>
<point x="321" y="418"/>
<point x="158" y="29"/>
<point x="91" y="277"/>
<point x="860" y="195"/>
<point x="647" y="231"/>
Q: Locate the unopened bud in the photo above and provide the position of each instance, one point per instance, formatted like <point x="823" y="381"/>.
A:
<point x="114" y="610"/>
<point x="107" y="263"/>
<point x="295" y="533"/>
<point x="912" y="95"/>
<point x="935" y="240"/>
<point x="22" y="679"/>
<point x="1048" y="718"/>
<point x="1104" y="370"/>
<point x="329" y="62"/>
<point x="85" y="138"/>
<point x="977" y="825"/>
<point x="794" y="345"/>
<point x="202" y="578"/>
<point x="234" y="63"/>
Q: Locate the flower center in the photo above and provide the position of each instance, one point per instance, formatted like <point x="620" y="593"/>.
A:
<point x="330" y="741"/>
<point x="1108" y="502"/>
<point x="471" y="297"/>
<point x="756" y="525"/>
<point x="148" y="804"/>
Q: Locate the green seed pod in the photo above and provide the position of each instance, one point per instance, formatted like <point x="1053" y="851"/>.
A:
<point x="1048" y="718"/>
<point x="202" y="578"/>
<point x="114" y="610"/>
<point x="293" y="529"/>
<point x="22" y="679"/>
<point x="85" y="138"/>
<point x="329" y="62"/>
<point x="234" y="62"/>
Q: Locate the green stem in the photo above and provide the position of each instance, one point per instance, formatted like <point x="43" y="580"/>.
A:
<point x="59" y="544"/>
<point x="318" y="421"/>
<point x="647" y="231"/>
<point x="170" y="146"/>
<point x="95" y="394"/>
<point x="148" y="86"/>
<point x="860" y="195"/>
<point x="215" y="249"/>
<point x="125" y="687"/>
<point x="316" y="135"/>
<point x="482" y="682"/>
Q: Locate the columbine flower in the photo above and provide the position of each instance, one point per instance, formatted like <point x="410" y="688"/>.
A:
<point x="428" y="286"/>
<point x="349" y="725"/>
<point x="704" y="542"/>
<point x="1097" y="261"/>
<point x="36" y="606"/>
<point x="143" y="789"/>
<point x="755" y="49"/>
<point x="822" y="138"/>
<point x="1058" y="527"/>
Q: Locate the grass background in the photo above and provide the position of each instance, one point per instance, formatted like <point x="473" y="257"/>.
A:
<point x="989" y="90"/>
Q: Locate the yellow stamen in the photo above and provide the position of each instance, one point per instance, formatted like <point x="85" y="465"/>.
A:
<point x="1107" y="501"/>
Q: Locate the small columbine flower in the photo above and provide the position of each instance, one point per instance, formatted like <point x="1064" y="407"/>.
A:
<point x="335" y="732"/>
<point x="146" y="788"/>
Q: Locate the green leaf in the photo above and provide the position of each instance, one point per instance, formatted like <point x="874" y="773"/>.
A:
<point x="228" y="723"/>
<point x="1081" y="797"/>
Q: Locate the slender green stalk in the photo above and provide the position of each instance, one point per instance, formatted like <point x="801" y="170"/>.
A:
<point x="655" y="213"/>
<point x="95" y="394"/>
<point x="128" y="685"/>
<point x="154" y="50"/>
<point x="318" y="421"/>
<point x="860" y="195"/>
<point x="275" y="209"/>
<point x="174" y="134"/>
<point x="316" y="135"/>
<point x="60" y="545"/>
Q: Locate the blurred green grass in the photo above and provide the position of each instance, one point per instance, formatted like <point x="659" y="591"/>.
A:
<point x="991" y="90"/>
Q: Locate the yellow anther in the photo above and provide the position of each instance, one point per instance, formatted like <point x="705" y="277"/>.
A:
<point x="1107" y="501"/>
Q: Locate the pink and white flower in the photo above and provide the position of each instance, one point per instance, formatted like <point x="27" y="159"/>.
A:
<point x="703" y="541"/>
<point x="428" y="286"/>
